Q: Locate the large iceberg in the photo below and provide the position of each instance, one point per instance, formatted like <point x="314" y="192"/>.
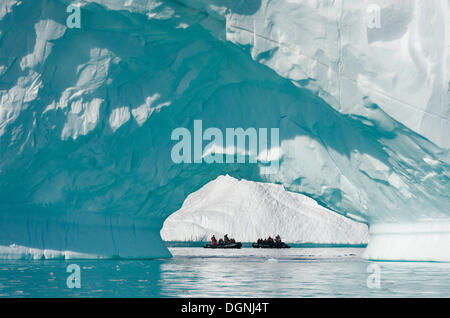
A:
<point x="86" y="116"/>
<point x="249" y="210"/>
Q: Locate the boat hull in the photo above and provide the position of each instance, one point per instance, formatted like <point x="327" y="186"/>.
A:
<point x="259" y="245"/>
<point x="232" y="245"/>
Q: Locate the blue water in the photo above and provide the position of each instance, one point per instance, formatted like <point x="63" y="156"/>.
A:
<point x="197" y="272"/>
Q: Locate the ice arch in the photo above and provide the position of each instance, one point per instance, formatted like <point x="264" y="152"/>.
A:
<point x="86" y="117"/>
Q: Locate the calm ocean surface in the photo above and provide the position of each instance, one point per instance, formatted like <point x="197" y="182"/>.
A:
<point x="198" y="272"/>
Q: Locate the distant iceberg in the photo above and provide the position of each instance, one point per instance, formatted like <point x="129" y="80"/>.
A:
<point x="249" y="210"/>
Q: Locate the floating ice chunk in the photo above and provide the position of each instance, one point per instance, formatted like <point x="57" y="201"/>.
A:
<point x="271" y="260"/>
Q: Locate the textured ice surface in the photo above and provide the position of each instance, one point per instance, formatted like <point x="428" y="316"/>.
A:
<point x="249" y="210"/>
<point x="330" y="46"/>
<point x="86" y="115"/>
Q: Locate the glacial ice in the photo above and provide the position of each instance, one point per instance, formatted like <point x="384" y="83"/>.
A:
<point x="249" y="210"/>
<point x="327" y="46"/>
<point x="86" y="116"/>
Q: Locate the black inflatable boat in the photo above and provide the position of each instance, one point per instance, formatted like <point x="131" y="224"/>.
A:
<point x="268" y="245"/>
<point x="229" y="245"/>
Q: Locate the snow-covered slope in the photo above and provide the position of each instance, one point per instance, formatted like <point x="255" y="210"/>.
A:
<point x="86" y="116"/>
<point x="249" y="210"/>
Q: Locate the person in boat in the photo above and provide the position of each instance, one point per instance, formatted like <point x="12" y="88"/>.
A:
<point x="226" y="239"/>
<point x="232" y="241"/>
<point x="270" y="240"/>
<point x="213" y="240"/>
<point x="220" y="242"/>
<point x="278" y="239"/>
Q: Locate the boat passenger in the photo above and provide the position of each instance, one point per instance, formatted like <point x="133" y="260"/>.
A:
<point x="213" y="240"/>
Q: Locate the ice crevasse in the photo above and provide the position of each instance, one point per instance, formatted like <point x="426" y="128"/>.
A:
<point x="86" y="116"/>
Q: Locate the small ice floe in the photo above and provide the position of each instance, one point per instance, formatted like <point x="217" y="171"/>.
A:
<point x="272" y="260"/>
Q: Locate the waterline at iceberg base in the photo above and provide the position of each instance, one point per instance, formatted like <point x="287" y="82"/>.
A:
<point x="86" y="117"/>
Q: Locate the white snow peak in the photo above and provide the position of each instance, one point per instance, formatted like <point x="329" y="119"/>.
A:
<point x="249" y="210"/>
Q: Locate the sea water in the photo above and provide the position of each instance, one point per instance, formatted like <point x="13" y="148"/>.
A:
<point x="198" y="272"/>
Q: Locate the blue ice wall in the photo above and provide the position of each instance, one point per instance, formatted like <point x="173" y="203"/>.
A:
<point x="86" y="117"/>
